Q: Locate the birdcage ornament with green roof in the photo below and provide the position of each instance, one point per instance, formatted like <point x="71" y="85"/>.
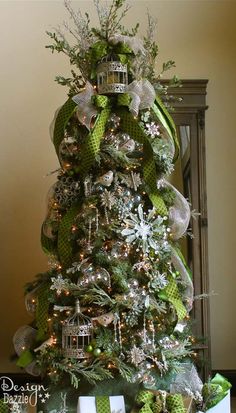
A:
<point x="77" y="333"/>
<point x="112" y="76"/>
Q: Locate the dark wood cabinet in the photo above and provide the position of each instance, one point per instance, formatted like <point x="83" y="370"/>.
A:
<point x="189" y="117"/>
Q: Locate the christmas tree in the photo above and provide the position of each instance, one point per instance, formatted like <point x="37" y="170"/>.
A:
<point x="115" y="302"/>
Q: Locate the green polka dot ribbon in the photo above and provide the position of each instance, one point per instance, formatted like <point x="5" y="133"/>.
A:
<point x="144" y="396"/>
<point x="167" y="122"/>
<point x="92" y="145"/>
<point x="175" y="403"/>
<point x="3" y="407"/>
<point x="63" y="243"/>
<point x="171" y="294"/>
<point x="61" y="121"/>
<point x="130" y="125"/>
<point x="48" y="245"/>
<point x="42" y="312"/>
<point x="103" y="404"/>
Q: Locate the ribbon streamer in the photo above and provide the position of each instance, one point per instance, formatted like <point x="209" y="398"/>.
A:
<point x="63" y="116"/>
<point x="180" y="265"/>
<point x="179" y="213"/>
<point x="171" y="294"/>
<point x="64" y="232"/>
<point x="167" y="122"/>
<point x="85" y="110"/>
<point x="103" y="404"/>
<point x="4" y="408"/>
<point x="42" y="311"/>
<point x="131" y="126"/>
<point x="92" y="146"/>
<point x="143" y="95"/>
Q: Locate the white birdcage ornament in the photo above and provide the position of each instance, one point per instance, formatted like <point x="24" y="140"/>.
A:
<point x="77" y="333"/>
<point x="112" y="76"/>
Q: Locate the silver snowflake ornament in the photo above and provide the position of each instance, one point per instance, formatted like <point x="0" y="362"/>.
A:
<point x="108" y="199"/>
<point x="146" y="230"/>
<point x="59" y="284"/>
<point x="136" y="356"/>
<point x="152" y="129"/>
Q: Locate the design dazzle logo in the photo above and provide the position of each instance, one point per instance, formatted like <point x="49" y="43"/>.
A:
<point x="28" y="394"/>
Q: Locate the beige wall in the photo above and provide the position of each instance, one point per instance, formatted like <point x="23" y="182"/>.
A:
<point x="200" y="36"/>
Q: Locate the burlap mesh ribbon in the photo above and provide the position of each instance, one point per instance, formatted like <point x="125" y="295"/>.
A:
<point x="103" y="404"/>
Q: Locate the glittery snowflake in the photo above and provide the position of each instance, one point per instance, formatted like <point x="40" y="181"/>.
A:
<point x="108" y="199"/>
<point x="152" y="129"/>
<point x="59" y="284"/>
<point x="136" y="356"/>
<point x="132" y="181"/>
<point x="146" y="230"/>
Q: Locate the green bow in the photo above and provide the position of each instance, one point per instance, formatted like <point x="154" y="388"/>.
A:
<point x="146" y="398"/>
<point x="214" y="391"/>
<point x="175" y="403"/>
<point x="100" y="49"/>
<point x="154" y="404"/>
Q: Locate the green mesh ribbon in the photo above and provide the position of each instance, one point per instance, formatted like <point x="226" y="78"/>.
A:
<point x="25" y="358"/>
<point x="62" y="119"/>
<point x="42" y="311"/>
<point x="167" y="122"/>
<point x="175" y="403"/>
<point x="144" y="396"/>
<point x="103" y="404"/>
<point x="92" y="146"/>
<point x="130" y="125"/>
<point x="63" y="242"/>
<point x="48" y="245"/>
<point x="171" y="294"/>
<point x="146" y="409"/>
<point x="3" y="407"/>
<point x="215" y="390"/>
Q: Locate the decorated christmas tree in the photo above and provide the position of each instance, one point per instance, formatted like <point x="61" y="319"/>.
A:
<point x="111" y="314"/>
